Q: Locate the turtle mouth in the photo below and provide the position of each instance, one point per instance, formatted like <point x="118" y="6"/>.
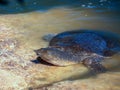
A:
<point x="49" y="61"/>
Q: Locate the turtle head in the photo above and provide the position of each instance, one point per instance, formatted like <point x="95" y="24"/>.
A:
<point x="54" y="56"/>
<point x="40" y="52"/>
<point x="49" y="55"/>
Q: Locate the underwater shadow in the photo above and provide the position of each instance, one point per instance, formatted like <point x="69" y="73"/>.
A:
<point x="6" y="2"/>
<point x="85" y="75"/>
<point x="38" y="60"/>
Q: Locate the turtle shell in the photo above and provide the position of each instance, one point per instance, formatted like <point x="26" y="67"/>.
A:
<point x="98" y="42"/>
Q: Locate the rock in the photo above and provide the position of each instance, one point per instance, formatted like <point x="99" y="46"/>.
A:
<point x="10" y="81"/>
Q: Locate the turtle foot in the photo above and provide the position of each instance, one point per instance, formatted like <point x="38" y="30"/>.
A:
<point x="95" y="67"/>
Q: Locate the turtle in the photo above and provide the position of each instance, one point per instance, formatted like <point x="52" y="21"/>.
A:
<point x="89" y="47"/>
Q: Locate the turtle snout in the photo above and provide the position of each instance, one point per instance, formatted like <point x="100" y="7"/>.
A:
<point x="37" y="52"/>
<point x="40" y="52"/>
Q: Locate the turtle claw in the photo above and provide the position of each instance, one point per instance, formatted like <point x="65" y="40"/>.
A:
<point x="97" y="68"/>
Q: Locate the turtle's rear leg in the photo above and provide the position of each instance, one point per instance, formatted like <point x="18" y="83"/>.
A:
<point x="48" y="37"/>
<point x="95" y="66"/>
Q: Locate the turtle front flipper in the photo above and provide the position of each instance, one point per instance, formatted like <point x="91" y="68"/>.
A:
<point x="95" y="66"/>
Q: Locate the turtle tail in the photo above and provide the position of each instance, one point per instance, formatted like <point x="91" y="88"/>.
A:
<point x="48" y="37"/>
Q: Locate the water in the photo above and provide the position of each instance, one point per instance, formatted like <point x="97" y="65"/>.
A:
<point x="36" y="18"/>
<point x="33" y="5"/>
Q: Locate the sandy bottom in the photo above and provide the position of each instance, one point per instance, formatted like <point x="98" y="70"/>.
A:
<point x="21" y="34"/>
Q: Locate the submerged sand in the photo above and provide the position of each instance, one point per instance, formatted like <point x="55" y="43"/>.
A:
<point x="20" y="35"/>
